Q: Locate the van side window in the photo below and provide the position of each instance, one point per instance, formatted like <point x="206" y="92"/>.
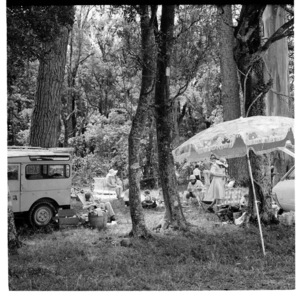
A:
<point x="56" y="171"/>
<point x="47" y="171"/>
<point x="13" y="172"/>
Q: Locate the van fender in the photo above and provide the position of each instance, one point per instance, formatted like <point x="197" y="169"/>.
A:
<point x="46" y="199"/>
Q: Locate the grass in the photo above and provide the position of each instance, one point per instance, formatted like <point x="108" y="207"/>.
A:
<point x="210" y="257"/>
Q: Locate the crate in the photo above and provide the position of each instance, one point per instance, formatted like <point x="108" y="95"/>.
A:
<point x="65" y="218"/>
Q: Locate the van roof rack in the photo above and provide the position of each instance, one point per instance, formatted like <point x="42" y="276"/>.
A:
<point x="26" y="148"/>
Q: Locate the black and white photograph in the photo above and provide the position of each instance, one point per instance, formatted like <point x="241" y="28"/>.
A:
<point x="150" y="147"/>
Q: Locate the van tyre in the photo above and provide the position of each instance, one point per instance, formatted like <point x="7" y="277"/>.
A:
<point x="41" y="214"/>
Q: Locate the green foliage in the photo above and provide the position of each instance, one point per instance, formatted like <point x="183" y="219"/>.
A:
<point x="27" y="28"/>
<point x="104" y="145"/>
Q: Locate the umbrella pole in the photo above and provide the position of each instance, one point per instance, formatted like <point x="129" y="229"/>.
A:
<point x="255" y="201"/>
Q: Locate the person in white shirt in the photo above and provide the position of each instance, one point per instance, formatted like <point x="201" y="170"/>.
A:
<point x="112" y="182"/>
<point x="197" y="172"/>
<point x="194" y="189"/>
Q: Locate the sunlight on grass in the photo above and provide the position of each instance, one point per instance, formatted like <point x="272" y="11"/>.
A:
<point x="211" y="256"/>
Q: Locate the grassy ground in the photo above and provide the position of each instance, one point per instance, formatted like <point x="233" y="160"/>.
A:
<point x="210" y="257"/>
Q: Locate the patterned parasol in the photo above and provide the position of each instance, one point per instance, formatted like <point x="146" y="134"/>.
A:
<point x="262" y="134"/>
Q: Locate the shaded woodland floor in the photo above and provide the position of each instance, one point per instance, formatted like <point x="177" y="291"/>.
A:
<point x="211" y="256"/>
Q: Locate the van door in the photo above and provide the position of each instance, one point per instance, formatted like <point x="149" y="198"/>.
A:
<point x="14" y="184"/>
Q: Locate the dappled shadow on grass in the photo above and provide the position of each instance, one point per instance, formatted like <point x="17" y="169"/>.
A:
<point x="208" y="257"/>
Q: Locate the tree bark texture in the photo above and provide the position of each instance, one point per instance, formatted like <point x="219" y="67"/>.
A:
<point x="13" y="239"/>
<point x="70" y="120"/>
<point x="254" y="89"/>
<point x="44" y="131"/>
<point x="164" y="122"/>
<point x="230" y="86"/>
<point x="149" y="167"/>
<point x="139" y="228"/>
<point x="277" y="65"/>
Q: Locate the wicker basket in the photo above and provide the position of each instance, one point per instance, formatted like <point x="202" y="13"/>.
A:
<point x="98" y="222"/>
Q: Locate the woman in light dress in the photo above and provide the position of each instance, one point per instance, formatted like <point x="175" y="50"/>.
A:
<point x="216" y="190"/>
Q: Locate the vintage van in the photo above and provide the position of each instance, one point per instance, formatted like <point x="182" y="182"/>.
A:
<point x="39" y="181"/>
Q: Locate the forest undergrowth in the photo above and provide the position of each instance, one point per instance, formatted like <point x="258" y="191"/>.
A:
<point x="212" y="256"/>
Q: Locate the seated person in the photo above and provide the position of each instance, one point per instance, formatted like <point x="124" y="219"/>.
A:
<point x="149" y="202"/>
<point x="194" y="189"/>
<point x="112" y="182"/>
<point x="125" y="196"/>
<point x="90" y="204"/>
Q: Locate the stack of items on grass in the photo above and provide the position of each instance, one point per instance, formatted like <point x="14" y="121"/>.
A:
<point x="233" y="213"/>
<point x="287" y="218"/>
<point x="237" y="213"/>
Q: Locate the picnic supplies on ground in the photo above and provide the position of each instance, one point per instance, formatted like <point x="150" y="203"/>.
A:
<point x="67" y="217"/>
<point x="98" y="221"/>
<point x="240" y="220"/>
<point x="287" y="218"/>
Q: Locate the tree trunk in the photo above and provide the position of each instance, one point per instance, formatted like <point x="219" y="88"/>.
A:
<point x="251" y="67"/>
<point x="149" y="164"/>
<point x="230" y="87"/>
<point x="44" y="131"/>
<point x="164" y="123"/>
<point x="138" y="124"/>
<point x="277" y="65"/>
<point x="13" y="240"/>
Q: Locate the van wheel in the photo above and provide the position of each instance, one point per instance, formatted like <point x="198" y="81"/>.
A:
<point x="41" y="214"/>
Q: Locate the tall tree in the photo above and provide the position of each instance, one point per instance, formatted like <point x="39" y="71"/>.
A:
<point x="45" y="122"/>
<point x="230" y="86"/>
<point x="278" y="99"/>
<point x="249" y="51"/>
<point x="164" y="122"/>
<point x="138" y="124"/>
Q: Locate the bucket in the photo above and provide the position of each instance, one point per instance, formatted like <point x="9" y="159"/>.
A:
<point x="98" y="222"/>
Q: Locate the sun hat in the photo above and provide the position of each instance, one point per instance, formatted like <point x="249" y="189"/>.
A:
<point x="192" y="177"/>
<point x="222" y="162"/>
<point x="112" y="172"/>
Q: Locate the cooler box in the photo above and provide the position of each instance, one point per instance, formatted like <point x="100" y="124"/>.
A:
<point x="66" y="218"/>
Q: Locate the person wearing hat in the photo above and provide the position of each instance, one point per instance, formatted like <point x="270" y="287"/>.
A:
<point x="111" y="182"/>
<point x="91" y="205"/>
<point x="194" y="189"/>
<point x="216" y="189"/>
